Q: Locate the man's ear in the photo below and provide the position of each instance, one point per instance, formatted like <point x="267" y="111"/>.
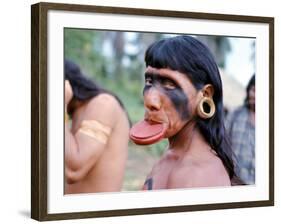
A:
<point x="208" y="91"/>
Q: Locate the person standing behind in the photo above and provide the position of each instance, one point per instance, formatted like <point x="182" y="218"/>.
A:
<point x="240" y="125"/>
<point x="96" y="141"/>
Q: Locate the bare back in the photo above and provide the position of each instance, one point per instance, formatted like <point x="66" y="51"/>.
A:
<point x="106" y="173"/>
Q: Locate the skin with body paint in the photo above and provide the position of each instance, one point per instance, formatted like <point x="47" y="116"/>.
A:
<point x="170" y="98"/>
<point x="168" y="87"/>
<point x="167" y="100"/>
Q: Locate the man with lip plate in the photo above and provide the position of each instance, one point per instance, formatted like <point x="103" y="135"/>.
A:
<point x="183" y="102"/>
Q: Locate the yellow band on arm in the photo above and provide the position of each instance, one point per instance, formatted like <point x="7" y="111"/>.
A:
<point x="96" y="130"/>
<point x="66" y="117"/>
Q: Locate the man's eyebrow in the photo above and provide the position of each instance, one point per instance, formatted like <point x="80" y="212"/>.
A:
<point x="149" y="74"/>
<point x="152" y="74"/>
<point x="160" y="77"/>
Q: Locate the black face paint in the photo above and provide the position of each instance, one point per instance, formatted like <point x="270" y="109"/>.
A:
<point x="180" y="101"/>
<point x="175" y="94"/>
<point x="148" y="184"/>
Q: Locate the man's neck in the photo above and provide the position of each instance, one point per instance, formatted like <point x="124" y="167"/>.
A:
<point x="188" y="140"/>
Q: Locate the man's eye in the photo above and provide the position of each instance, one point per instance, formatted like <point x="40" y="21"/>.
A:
<point x="148" y="81"/>
<point x="168" y="84"/>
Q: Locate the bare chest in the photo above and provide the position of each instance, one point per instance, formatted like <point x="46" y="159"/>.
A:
<point x="161" y="173"/>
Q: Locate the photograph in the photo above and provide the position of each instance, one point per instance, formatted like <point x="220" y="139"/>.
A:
<point x="138" y="111"/>
<point x="165" y="117"/>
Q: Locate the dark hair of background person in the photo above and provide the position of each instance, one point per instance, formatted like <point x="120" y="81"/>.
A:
<point x="83" y="88"/>
<point x="189" y="56"/>
<point x="252" y="82"/>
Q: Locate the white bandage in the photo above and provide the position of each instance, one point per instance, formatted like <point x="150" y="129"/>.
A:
<point x="95" y="129"/>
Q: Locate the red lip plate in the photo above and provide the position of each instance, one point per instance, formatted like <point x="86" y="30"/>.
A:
<point x="143" y="133"/>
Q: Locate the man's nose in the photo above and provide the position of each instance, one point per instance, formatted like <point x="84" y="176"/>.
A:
<point x="152" y="99"/>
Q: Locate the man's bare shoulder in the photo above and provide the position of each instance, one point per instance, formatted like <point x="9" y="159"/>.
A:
<point x="105" y="100"/>
<point x="104" y="108"/>
<point x="192" y="173"/>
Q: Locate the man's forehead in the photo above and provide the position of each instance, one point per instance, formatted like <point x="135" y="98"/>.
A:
<point x="161" y="72"/>
<point x="178" y="77"/>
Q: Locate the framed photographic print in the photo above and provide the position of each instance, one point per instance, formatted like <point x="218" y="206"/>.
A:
<point x="138" y="111"/>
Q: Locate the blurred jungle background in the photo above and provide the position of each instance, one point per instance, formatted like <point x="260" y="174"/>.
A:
<point x="115" y="60"/>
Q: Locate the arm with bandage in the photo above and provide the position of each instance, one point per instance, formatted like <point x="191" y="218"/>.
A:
<point x="84" y="147"/>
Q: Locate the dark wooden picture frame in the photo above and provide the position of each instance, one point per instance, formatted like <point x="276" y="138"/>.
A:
<point x="39" y="109"/>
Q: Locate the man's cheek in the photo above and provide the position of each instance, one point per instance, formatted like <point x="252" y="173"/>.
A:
<point x="179" y="102"/>
<point x="175" y="123"/>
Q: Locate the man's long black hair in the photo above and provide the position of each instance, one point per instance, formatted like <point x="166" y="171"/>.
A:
<point x="83" y="88"/>
<point x="189" y="56"/>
